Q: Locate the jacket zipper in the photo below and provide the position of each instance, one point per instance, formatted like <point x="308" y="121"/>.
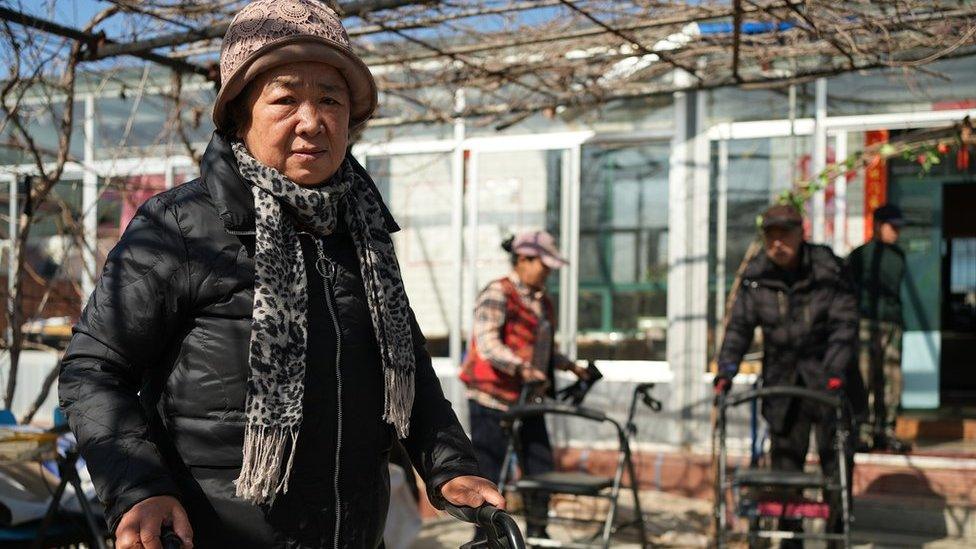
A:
<point x="327" y="269"/>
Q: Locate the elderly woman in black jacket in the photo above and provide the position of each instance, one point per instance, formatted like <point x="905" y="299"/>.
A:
<point x="249" y="356"/>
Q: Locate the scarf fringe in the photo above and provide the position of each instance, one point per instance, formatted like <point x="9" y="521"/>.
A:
<point x="399" y="385"/>
<point x="261" y="477"/>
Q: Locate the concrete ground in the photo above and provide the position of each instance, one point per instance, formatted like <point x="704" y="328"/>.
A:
<point x="672" y="521"/>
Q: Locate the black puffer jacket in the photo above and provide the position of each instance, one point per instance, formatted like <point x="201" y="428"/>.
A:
<point x="808" y="320"/>
<point x="154" y="379"/>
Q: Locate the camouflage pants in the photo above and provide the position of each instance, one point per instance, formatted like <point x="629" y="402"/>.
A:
<point x="880" y="364"/>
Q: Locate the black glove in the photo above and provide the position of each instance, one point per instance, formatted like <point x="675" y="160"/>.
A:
<point x="575" y="393"/>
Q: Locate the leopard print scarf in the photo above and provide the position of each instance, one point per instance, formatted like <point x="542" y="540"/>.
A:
<point x="279" y="330"/>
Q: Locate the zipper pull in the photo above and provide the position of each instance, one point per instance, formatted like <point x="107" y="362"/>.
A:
<point x="323" y="265"/>
<point x="783" y="307"/>
<point x="325" y="268"/>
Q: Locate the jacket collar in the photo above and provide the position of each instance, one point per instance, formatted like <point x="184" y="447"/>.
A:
<point x="231" y="193"/>
<point x="765" y="272"/>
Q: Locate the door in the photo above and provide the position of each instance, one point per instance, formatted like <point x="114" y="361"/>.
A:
<point x="921" y="294"/>
<point x="959" y="303"/>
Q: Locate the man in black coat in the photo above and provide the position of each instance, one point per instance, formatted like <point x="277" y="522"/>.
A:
<point x="800" y="295"/>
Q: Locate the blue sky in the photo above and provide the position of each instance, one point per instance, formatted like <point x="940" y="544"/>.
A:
<point x="74" y="13"/>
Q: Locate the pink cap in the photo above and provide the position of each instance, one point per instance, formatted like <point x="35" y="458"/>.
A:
<point x="539" y="244"/>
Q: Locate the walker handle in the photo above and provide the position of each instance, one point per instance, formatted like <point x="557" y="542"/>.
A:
<point x="169" y="539"/>
<point x="502" y="531"/>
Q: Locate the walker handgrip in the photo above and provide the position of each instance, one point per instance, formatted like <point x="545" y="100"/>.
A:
<point x="467" y="514"/>
<point x="501" y="529"/>
<point x="169" y="539"/>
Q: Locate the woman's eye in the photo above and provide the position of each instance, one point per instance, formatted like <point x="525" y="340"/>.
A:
<point x="329" y="101"/>
<point x="283" y="100"/>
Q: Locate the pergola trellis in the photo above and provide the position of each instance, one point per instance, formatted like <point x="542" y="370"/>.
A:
<point x="528" y="56"/>
<point x="513" y="58"/>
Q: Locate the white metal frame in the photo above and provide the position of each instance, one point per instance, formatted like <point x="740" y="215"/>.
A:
<point x="466" y="208"/>
<point x="837" y="129"/>
<point x="822" y="127"/>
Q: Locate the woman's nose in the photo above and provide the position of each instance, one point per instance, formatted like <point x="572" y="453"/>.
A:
<point x="309" y="122"/>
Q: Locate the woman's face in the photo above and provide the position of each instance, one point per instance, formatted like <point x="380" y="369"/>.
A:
<point x="532" y="271"/>
<point x="298" y="120"/>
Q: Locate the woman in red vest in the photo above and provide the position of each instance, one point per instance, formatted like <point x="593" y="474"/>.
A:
<point x="513" y="344"/>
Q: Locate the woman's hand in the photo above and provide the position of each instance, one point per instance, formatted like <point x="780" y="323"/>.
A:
<point x="580" y="371"/>
<point x="140" y="526"/>
<point x="530" y="374"/>
<point x="472" y="491"/>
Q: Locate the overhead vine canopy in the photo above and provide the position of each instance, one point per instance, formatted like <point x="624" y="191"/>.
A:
<point x="518" y="56"/>
<point x="152" y="64"/>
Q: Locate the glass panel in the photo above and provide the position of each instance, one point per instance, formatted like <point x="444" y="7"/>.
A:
<point x="518" y="191"/>
<point x="946" y="84"/>
<point x="738" y="105"/>
<point x="758" y="171"/>
<point x="53" y="255"/>
<point x="126" y="126"/>
<point x="119" y="199"/>
<point x="185" y="175"/>
<point x="922" y="290"/>
<point x="623" y="251"/>
<point x="43" y="124"/>
<point x="617" y="115"/>
<point x="418" y="190"/>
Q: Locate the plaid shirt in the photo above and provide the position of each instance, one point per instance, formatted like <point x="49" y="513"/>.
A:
<point x="489" y="318"/>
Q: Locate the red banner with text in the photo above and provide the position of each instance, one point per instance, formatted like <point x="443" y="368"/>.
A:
<point x="875" y="181"/>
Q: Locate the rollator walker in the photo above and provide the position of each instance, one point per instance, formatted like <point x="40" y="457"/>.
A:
<point x="577" y="483"/>
<point x="501" y="530"/>
<point x="762" y="496"/>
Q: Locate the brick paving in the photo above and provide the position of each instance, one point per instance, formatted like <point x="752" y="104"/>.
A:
<point x="673" y="521"/>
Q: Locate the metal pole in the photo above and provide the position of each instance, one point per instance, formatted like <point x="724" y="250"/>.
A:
<point x="572" y="246"/>
<point x="679" y="196"/>
<point x="169" y="174"/>
<point x="840" y="196"/>
<point x="457" y="228"/>
<point x="819" y="156"/>
<point x="12" y="231"/>
<point x="792" y="144"/>
<point x="721" y="238"/>
<point x="471" y="293"/>
<point x="696" y="302"/>
<point x="565" y="235"/>
<point x="89" y="204"/>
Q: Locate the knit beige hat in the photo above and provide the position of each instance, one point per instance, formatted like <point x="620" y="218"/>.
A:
<point x="268" y="33"/>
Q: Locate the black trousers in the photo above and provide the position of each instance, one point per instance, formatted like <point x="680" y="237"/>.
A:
<point x="789" y="448"/>
<point x="490" y="444"/>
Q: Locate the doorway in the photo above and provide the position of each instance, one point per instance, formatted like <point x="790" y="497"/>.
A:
<point x="939" y="293"/>
<point x="958" y="386"/>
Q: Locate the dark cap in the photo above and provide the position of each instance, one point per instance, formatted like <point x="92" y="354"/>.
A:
<point x="781" y="215"/>
<point x="889" y="213"/>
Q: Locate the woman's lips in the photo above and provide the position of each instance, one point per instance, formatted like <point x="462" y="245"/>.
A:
<point x="309" y="154"/>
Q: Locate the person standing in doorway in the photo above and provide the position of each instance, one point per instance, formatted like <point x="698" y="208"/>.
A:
<point x="512" y="344"/>
<point x="878" y="268"/>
